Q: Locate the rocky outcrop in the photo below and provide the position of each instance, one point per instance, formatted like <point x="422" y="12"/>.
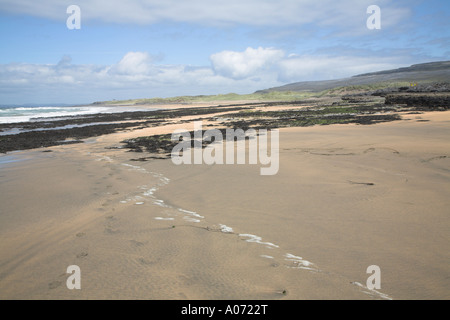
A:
<point x="431" y="101"/>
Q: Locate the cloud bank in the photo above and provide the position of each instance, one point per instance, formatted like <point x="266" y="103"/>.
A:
<point x="340" y="14"/>
<point x="136" y="75"/>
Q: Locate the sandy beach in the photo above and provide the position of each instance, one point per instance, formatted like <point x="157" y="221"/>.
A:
<point x="345" y="197"/>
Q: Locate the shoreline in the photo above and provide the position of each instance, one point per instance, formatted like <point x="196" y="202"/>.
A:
<point x="49" y="132"/>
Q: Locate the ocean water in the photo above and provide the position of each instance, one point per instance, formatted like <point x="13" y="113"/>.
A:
<point x="15" y="114"/>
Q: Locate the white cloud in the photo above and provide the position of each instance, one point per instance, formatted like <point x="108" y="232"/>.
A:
<point x="133" y="63"/>
<point x="251" y="62"/>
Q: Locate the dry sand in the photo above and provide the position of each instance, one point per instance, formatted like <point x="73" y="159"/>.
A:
<point x="345" y="197"/>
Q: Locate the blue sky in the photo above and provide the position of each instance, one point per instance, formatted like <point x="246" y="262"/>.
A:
<point x="162" y="48"/>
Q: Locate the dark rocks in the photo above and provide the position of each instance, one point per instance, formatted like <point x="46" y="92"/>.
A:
<point x="422" y="101"/>
<point x="441" y="87"/>
<point x="47" y="133"/>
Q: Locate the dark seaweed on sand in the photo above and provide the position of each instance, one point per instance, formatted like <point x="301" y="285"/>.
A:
<point x="362" y="108"/>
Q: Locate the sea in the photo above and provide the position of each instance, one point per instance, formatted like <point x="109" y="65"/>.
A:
<point x="16" y="114"/>
<point x="41" y="114"/>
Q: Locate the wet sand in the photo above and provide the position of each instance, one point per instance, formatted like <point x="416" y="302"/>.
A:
<point x="345" y="197"/>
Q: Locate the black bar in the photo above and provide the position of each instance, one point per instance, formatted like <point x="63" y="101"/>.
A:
<point x="213" y="309"/>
